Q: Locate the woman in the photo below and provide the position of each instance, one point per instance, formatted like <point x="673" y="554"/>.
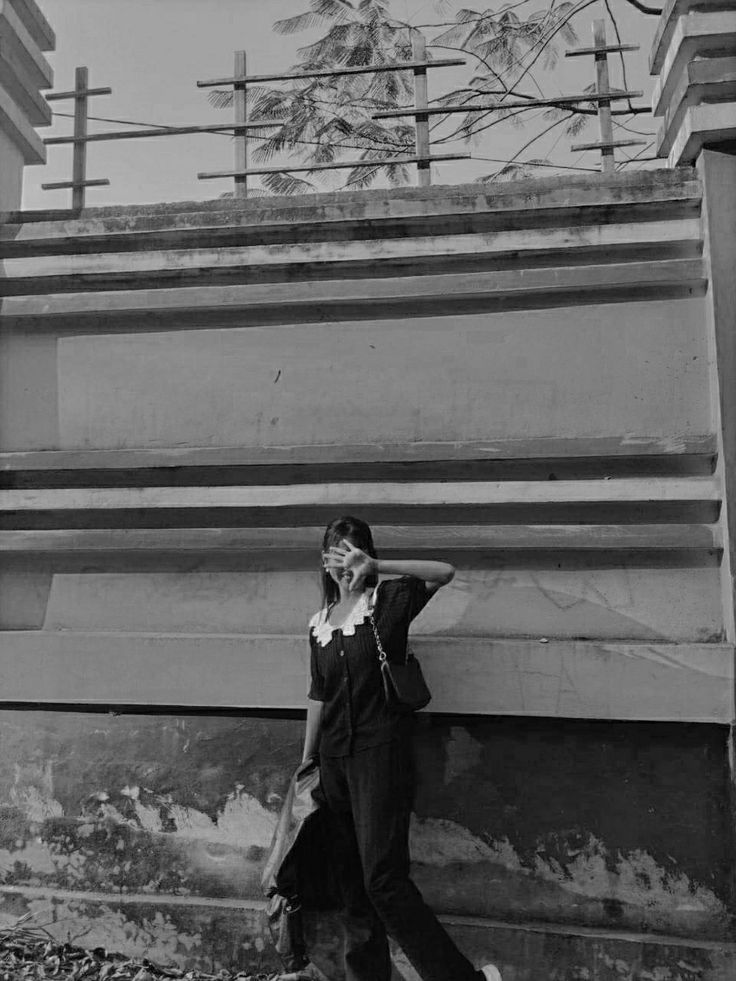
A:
<point x="365" y="753"/>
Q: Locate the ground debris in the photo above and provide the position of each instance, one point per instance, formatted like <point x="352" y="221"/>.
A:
<point x="31" y="954"/>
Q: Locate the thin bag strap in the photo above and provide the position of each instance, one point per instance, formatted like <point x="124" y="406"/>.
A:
<point x="371" y="606"/>
<point x="381" y="653"/>
<point x="382" y="656"/>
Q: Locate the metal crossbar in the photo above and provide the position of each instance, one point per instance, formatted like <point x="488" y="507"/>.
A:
<point x="562" y="100"/>
<point x="76" y="93"/>
<point x="338" y="165"/>
<point x="139" y="134"/>
<point x="605" y="49"/>
<point x="397" y="66"/>
<point x="63" y="185"/>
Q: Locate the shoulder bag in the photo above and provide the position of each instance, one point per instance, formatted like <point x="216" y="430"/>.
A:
<point x="403" y="682"/>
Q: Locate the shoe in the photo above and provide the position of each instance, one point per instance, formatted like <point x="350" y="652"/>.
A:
<point x="490" y="973"/>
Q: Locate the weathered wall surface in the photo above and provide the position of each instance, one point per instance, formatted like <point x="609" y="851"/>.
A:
<point x="508" y="822"/>
<point x="523" y="382"/>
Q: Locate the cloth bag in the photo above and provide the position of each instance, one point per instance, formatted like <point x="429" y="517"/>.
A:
<point x="297" y="873"/>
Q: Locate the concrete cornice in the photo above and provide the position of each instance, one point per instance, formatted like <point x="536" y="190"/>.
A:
<point x="16" y="80"/>
<point x="693" y="54"/>
<point x="14" y="124"/>
<point x="673" y="10"/>
<point x="695" y="36"/>
<point x="35" y="23"/>
<point x="24" y="71"/>
<point x="13" y="30"/>
<point x="708" y="80"/>
<point x="538" y="198"/>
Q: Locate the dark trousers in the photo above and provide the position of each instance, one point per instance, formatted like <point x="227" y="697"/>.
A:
<point x="369" y="797"/>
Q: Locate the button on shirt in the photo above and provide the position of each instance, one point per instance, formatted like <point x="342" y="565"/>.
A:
<point x="345" y="670"/>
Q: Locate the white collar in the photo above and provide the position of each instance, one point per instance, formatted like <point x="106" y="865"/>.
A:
<point x="323" y="629"/>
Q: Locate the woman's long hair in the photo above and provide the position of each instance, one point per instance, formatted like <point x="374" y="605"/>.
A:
<point x="358" y="534"/>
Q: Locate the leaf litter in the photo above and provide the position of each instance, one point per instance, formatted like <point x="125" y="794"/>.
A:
<point x="31" y="954"/>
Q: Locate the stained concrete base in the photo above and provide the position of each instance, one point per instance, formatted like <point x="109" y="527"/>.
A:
<point x="211" y="936"/>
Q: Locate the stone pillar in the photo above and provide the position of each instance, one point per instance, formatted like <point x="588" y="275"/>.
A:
<point x="24" y="71"/>
<point x="694" y="55"/>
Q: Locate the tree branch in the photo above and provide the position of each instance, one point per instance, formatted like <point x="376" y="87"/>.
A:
<point x="654" y="11"/>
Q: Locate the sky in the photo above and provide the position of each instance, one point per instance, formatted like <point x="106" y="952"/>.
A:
<point x="152" y="52"/>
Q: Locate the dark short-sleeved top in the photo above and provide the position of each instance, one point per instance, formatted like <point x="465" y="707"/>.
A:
<point x="345" y="670"/>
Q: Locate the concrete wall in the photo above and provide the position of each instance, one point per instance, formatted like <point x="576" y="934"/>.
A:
<point x="525" y="382"/>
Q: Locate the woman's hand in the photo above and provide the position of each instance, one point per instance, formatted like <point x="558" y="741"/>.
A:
<point x="354" y="564"/>
<point x="306" y="764"/>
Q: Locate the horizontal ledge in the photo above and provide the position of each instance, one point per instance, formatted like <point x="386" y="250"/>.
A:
<point x="25" y="47"/>
<point x="238" y="233"/>
<point x="17" y="127"/>
<point x="560" y="513"/>
<point x="234" y="903"/>
<point x="657" y="489"/>
<point x="301" y="468"/>
<point x="116" y="899"/>
<point x="704" y="123"/>
<point x="294" y="304"/>
<point x="392" y="539"/>
<point x="501" y="448"/>
<point x="534" y="240"/>
<point x="22" y="87"/>
<point x="667" y="21"/>
<point x="357" y="213"/>
<point x="709" y="80"/>
<point x="494" y="676"/>
<point x="337" y="312"/>
<point x="35" y="23"/>
<point x="694" y="36"/>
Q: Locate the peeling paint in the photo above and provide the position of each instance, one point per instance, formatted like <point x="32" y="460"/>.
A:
<point x="242" y="819"/>
<point x="440" y="842"/>
<point x="632" y="888"/>
<point x="636" y="879"/>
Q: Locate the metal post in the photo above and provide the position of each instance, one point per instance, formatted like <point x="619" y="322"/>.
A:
<point x="421" y="120"/>
<point x="79" y="164"/>
<point x="604" y="107"/>
<point x="241" y="112"/>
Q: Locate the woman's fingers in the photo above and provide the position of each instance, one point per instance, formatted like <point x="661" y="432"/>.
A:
<point x="339" y="552"/>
